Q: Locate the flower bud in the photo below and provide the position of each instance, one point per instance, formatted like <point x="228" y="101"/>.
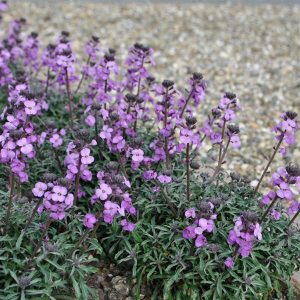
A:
<point x="194" y="165"/>
<point x="167" y="84"/>
<point x="293" y="170"/>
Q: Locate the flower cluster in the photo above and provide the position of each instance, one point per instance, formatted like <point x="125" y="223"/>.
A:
<point x="113" y="192"/>
<point x="203" y="222"/>
<point x="19" y="138"/>
<point x="286" y="183"/>
<point x="286" y="130"/>
<point x="79" y="156"/>
<point x="55" y="195"/>
<point x="246" y="231"/>
<point x="216" y="128"/>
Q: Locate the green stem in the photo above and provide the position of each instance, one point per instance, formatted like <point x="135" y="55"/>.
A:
<point x="77" y="180"/>
<point x="188" y="172"/>
<point x="8" y="212"/>
<point x="33" y="214"/>
<point x="40" y="243"/>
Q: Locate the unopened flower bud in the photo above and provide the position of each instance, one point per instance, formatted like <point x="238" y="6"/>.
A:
<point x="24" y="281"/>
<point x="191" y="121"/>
<point x="293" y="170"/>
<point x="194" y="165"/>
<point x="49" y="177"/>
<point x="167" y="84"/>
<point x="234" y="129"/>
<point x="230" y="95"/>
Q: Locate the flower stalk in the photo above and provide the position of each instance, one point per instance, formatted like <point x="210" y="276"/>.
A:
<point x="268" y="165"/>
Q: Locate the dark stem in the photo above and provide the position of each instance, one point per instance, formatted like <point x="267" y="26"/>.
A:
<point x="97" y="135"/>
<point x="294" y="218"/>
<point x="268" y="165"/>
<point x="47" y="82"/>
<point x="186" y="102"/>
<point x="220" y="162"/>
<point x="167" y="199"/>
<point x="8" y="212"/>
<point x="77" y="180"/>
<point x="188" y="172"/>
<point x="268" y="209"/>
<point x="58" y="160"/>
<point x="40" y="243"/>
<point x="166" y="146"/>
<point x="69" y="97"/>
<point x="82" y="75"/>
<point x="32" y="214"/>
<point x="221" y="144"/>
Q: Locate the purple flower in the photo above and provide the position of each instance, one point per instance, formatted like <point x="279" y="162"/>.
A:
<point x="200" y="241"/>
<point x="59" y="193"/>
<point x="127" y="226"/>
<point x="275" y="215"/>
<point x="189" y="232"/>
<point x="190" y="213"/>
<point x="90" y="120"/>
<point x="164" y="178"/>
<point x="56" y="140"/>
<point x="137" y="155"/>
<point x="106" y="132"/>
<point x="86" y="159"/>
<point x="149" y="175"/>
<point x="235" y="141"/>
<point x="245" y="247"/>
<point x="185" y="136"/>
<point x="39" y="189"/>
<point x="268" y="198"/>
<point x="89" y="221"/>
<point x="229" y="263"/>
<point x="30" y="107"/>
<point x="103" y="191"/>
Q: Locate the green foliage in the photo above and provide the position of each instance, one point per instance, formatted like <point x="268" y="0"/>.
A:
<point x="160" y="256"/>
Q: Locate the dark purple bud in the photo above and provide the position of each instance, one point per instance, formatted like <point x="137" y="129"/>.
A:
<point x="34" y="35"/>
<point x="216" y="113"/>
<point x="230" y="95"/>
<point x="17" y="133"/>
<point x="194" y="165"/>
<point x="112" y="165"/>
<point x="142" y="47"/>
<point x="96" y="106"/>
<point x="293" y="170"/>
<point x="95" y="39"/>
<point x="24" y="281"/>
<point x="291" y="115"/>
<point x="49" y="177"/>
<point x="250" y="216"/>
<point x="130" y="98"/>
<point x="65" y="33"/>
<point x="191" y="121"/>
<point x="197" y="77"/>
<point x="214" y="248"/>
<point x="167" y="84"/>
<point x="114" y="116"/>
<point x="204" y="206"/>
<point x="234" y="129"/>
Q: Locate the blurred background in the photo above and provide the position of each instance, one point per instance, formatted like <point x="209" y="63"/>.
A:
<point x="251" y="48"/>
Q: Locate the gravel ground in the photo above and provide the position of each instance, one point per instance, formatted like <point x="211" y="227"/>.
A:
<point x="252" y="50"/>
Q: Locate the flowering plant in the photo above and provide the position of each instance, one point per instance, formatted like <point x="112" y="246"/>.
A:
<point x="106" y="163"/>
